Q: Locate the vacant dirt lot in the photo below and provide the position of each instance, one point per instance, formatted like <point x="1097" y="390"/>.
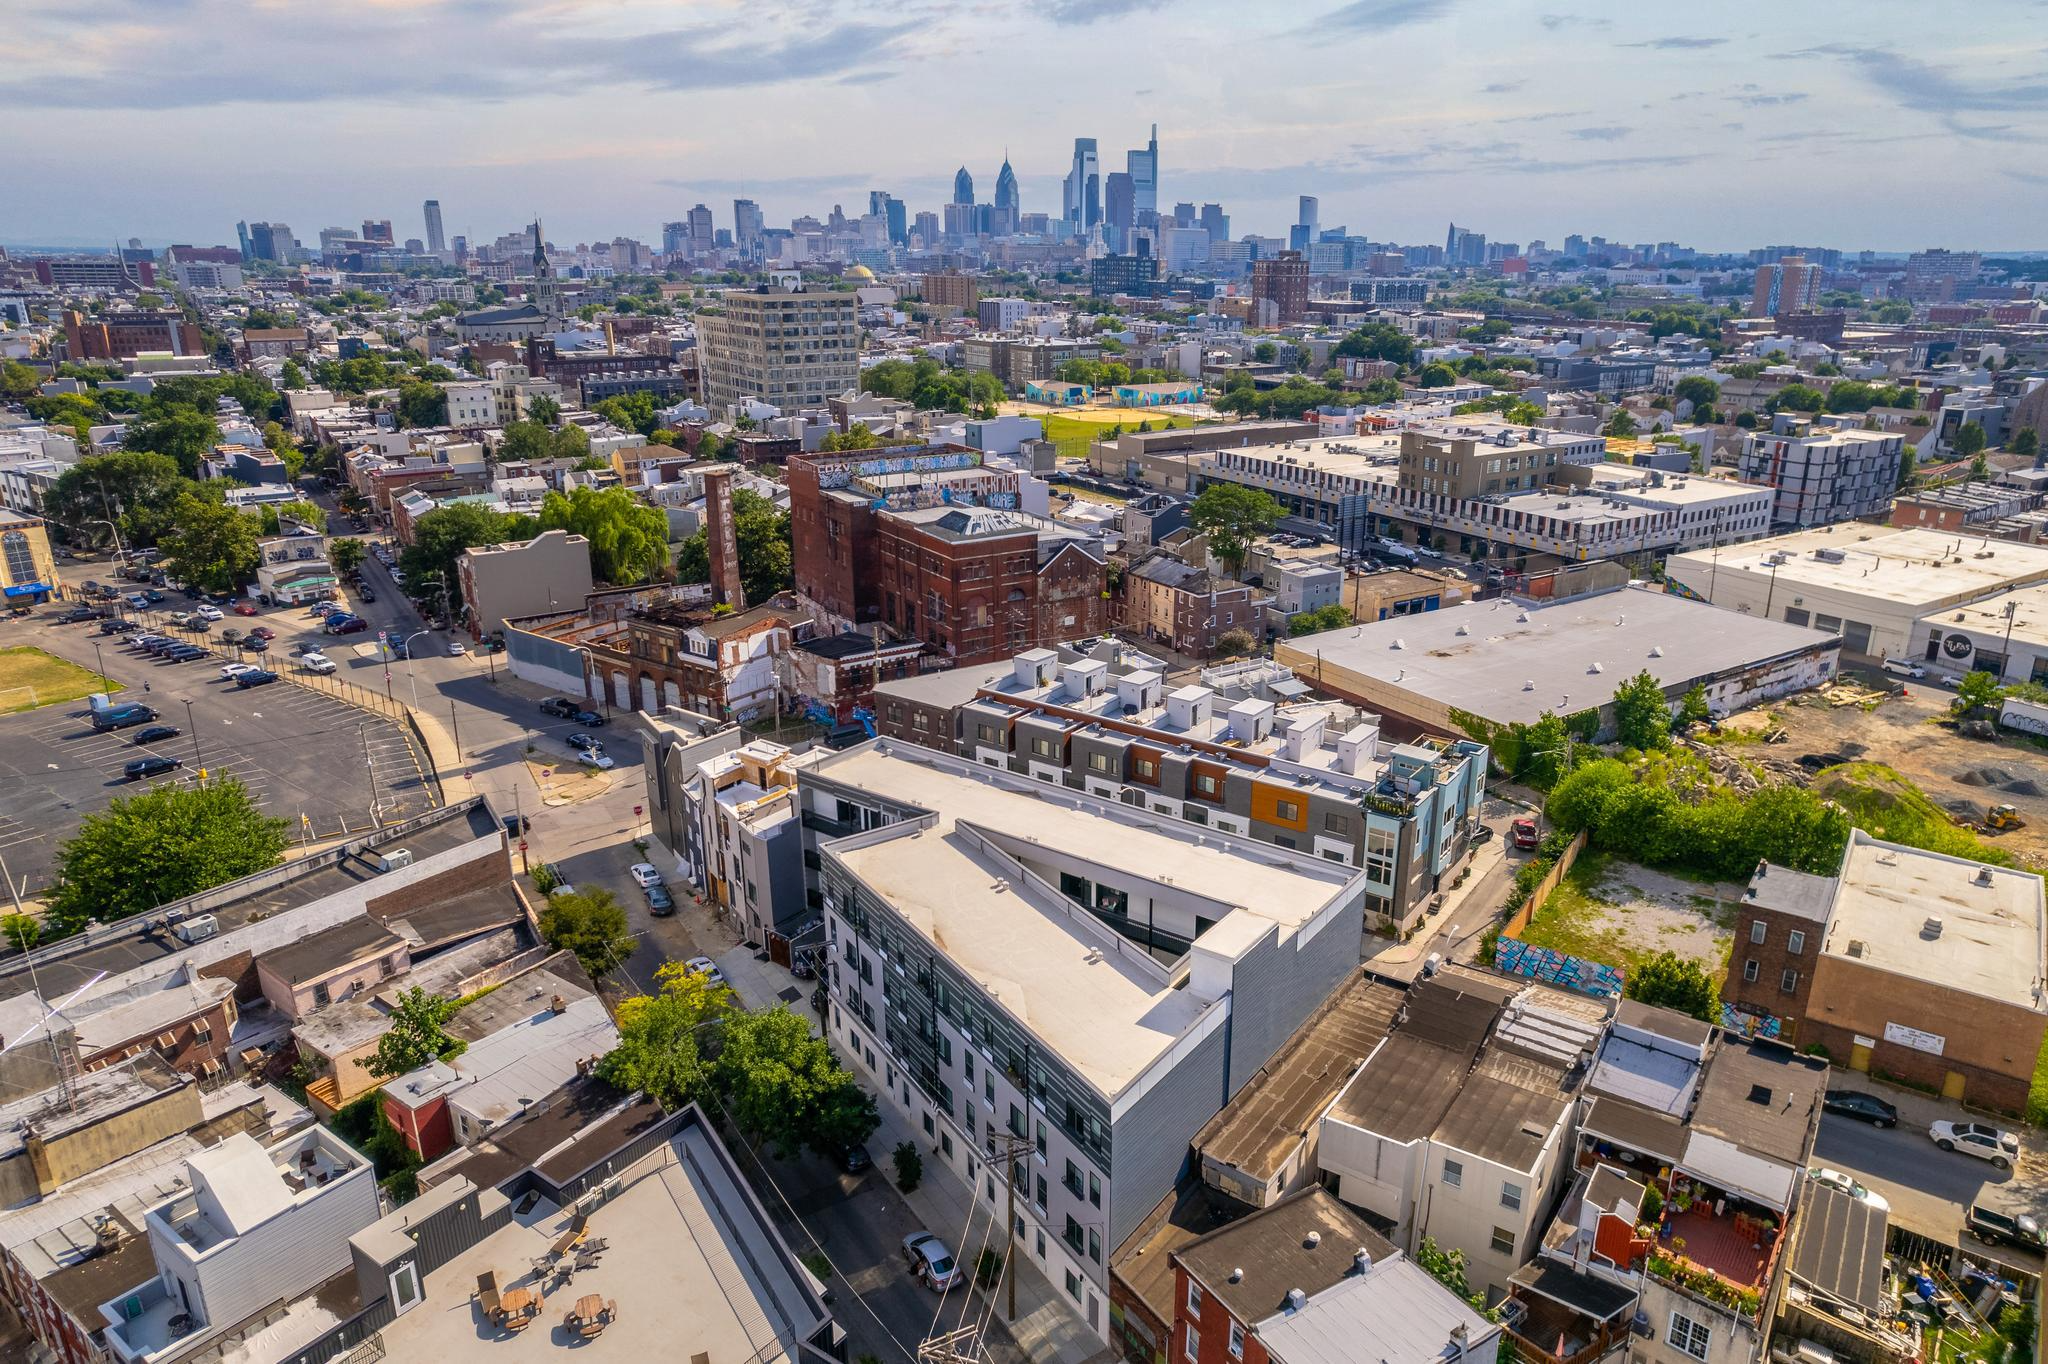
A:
<point x="1965" y="776"/>
<point x="1623" y="914"/>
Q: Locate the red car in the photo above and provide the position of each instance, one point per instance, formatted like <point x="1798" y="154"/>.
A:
<point x="1523" y="833"/>
<point x="245" y="608"/>
<point x="263" y="632"/>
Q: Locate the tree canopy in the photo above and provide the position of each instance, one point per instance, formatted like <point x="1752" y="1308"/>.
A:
<point x="171" y="841"/>
<point x="628" y="538"/>
<point x="1436" y="375"/>
<point x="784" y="1086"/>
<point x="442" y="534"/>
<point x="1233" y="516"/>
<point x="1641" y="717"/>
<point x="413" y="1035"/>
<point x="1969" y="441"/>
<point x="1670" y="981"/>
<point x="592" y="924"/>
<point x="1322" y="618"/>
<point x="1379" y="341"/>
<point x="664" y="1037"/>
<point x="185" y="434"/>
<point x="136" y="489"/>
<point x="210" y="545"/>
<point x="421" y="404"/>
<point x="927" y="383"/>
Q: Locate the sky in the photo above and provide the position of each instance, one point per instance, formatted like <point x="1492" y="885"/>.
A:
<point x="1886" y="125"/>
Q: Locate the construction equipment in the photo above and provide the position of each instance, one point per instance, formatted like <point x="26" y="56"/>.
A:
<point x="2003" y="817"/>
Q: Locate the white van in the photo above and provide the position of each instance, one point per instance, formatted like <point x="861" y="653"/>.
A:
<point x="1904" y="667"/>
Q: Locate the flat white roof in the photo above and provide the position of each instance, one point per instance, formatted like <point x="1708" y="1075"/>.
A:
<point x="1484" y="656"/>
<point x="1992" y="922"/>
<point x="1919" y="569"/>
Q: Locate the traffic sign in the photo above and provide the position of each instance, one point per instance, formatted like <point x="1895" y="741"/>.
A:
<point x="637" y="809"/>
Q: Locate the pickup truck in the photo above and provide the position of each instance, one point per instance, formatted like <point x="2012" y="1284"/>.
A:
<point x="2001" y="1229"/>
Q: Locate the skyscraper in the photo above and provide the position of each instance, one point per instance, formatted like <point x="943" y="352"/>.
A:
<point x="1143" y="167"/>
<point x="963" y="187"/>
<point x="1009" y="208"/>
<point x="1183" y="215"/>
<point x="1305" y="224"/>
<point x="1081" y="193"/>
<point x="436" y="243"/>
<point x="1119" y="210"/>
<point x="1789" y="286"/>
<point x="1216" y="221"/>
<point x="700" y="230"/>
<point x="249" y="251"/>
<point x="748" y="227"/>
<point x="675" y="238"/>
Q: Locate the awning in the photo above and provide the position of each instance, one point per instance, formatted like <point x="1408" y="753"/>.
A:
<point x="1733" y="1170"/>
<point x="29" y="590"/>
<point x="1601" y="1299"/>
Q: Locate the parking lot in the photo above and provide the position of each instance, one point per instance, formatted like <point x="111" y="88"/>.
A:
<point x="309" y="758"/>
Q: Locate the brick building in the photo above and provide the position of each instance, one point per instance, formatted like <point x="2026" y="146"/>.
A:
<point x="1904" y="962"/>
<point x="951" y="289"/>
<point x="1185" y="607"/>
<point x="977" y="584"/>
<point x="1282" y="281"/>
<point x="123" y="336"/>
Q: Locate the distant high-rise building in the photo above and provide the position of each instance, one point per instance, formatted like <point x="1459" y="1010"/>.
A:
<point x="748" y="227"/>
<point x="1183" y="215"/>
<point x="242" y="234"/>
<point x="1009" y="212"/>
<point x="270" y="241"/>
<point x="701" y="234"/>
<point x="1081" y="192"/>
<point x="436" y="243"/>
<point x="1281" y="281"/>
<point x="1462" y="246"/>
<point x="892" y="212"/>
<point x="1119" y="210"/>
<point x="1787" y="286"/>
<point x="1303" y="234"/>
<point x="675" y="238"/>
<point x="378" y="230"/>
<point x="1143" y="168"/>
<point x="1575" y="245"/>
<point x="460" y="248"/>
<point x="1216" y="221"/>
<point x="925" y="227"/>
<point x="963" y="187"/>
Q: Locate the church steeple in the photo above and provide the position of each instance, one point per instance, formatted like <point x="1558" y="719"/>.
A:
<point x="546" y="293"/>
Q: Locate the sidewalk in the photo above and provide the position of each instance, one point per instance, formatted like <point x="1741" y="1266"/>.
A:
<point x="1047" y="1330"/>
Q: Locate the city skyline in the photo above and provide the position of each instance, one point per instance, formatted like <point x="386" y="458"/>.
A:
<point x="1469" y="132"/>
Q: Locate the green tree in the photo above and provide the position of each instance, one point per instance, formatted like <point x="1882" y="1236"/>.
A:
<point x="171" y="841"/>
<point x="526" y="441"/>
<point x="592" y="924"/>
<point x="2026" y="441"/>
<point x="1382" y="391"/>
<point x="1969" y="441"/>
<point x="346" y="553"/>
<point x="422" y="405"/>
<point x="1696" y="389"/>
<point x="1746" y="420"/>
<point x="1331" y="617"/>
<point x="210" y="546"/>
<point x="185" y="434"/>
<point x="134" y="488"/>
<point x="544" y="410"/>
<point x="413" y="1035"/>
<point x="1545" y="750"/>
<point x="664" y="1037"/>
<point x="1977" y="691"/>
<point x="1233" y="516"/>
<point x="273" y="515"/>
<point x="1235" y="643"/>
<point x="779" y="1083"/>
<point x="1693" y="709"/>
<point x="1641" y="717"/>
<point x="1670" y="981"/>
<point x="1447" y="1267"/>
<point x="442" y="534"/>
<point x="762" y="536"/>
<point x="857" y="436"/>
<point x="1265" y="352"/>
<point x="1796" y="398"/>
<point x="1437" y="375"/>
<point x="18" y="381"/>
<point x="291" y="376"/>
<point x="633" y="411"/>
<point x="1621" y="424"/>
<point x="628" y="538"/>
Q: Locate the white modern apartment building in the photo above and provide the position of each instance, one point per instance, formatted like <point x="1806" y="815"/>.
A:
<point x="1823" y="475"/>
<point x="978" y="978"/>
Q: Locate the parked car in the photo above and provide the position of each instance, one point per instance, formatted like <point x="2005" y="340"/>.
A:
<point x="150" y="766"/>
<point x="456" y="648"/>
<point x="597" y="758"/>
<point x="929" y="1262"/>
<point x="1979" y="1139"/>
<point x="587" y="742"/>
<point x="1854" y="1103"/>
<point x="246" y="608"/>
<point x="644" y="875"/>
<point x="366" y="593"/>
<point x="1904" y="667"/>
<point x="659" y="902"/>
<point x="2003" y="1229"/>
<point x="156" y="734"/>
<point x="1523" y="833"/>
<point x="154" y="597"/>
<point x="346" y="625"/>
<point x="255" y="645"/>
<point x="256" y="677"/>
<point x="587" y="717"/>
<point x="316" y="662"/>
<point x="124" y="716"/>
<point x="235" y="670"/>
<point x="77" y="615"/>
<point x="1841" y="1183"/>
<point x="186" y="653"/>
<point x="209" y="613"/>
<point x="230" y="635"/>
<point x="263" y="632"/>
<point x="560" y="706"/>
<point x="323" y="608"/>
<point x="706" y="968"/>
<point x="855" y="1159"/>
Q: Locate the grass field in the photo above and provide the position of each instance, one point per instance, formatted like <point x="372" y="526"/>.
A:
<point x="1073" y="431"/>
<point x="1616" y="912"/>
<point x="53" y="679"/>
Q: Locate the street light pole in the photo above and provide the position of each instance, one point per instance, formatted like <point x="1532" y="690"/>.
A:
<point x="411" y="674"/>
<point x="198" y="763"/>
<point x="107" y="686"/>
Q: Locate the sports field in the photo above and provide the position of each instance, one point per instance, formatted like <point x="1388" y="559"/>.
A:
<point x="30" y="678"/>
<point x="1072" y="428"/>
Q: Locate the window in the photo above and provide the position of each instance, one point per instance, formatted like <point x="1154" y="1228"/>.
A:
<point x="1788" y="983"/>
<point x="1503" y="1242"/>
<point x="967" y="1067"/>
<point x="1094" y="1190"/>
<point x="1073" y="1234"/>
<point x="1236" y="1340"/>
<point x="1194" y="1309"/>
<point x="1041" y="748"/>
<point x="1511" y="1196"/>
<point x="1040" y="1142"/>
<point x="1336" y="824"/>
<point x="1194" y="1340"/>
<point x="987" y="733"/>
<point x="1287" y="810"/>
<point x="1098" y="762"/>
<point x="1796" y="942"/>
<point x="1145" y="768"/>
<point x="1094" y="1245"/>
<point x="1756" y="931"/>
<point x="1688" y="1335"/>
<point x="1749" y="971"/>
<point x="1039" y="1201"/>
<point x="1071" y="1181"/>
<point x="1073" y="1285"/>
<point x="1205" y="783"/>
<point x="1454" y="1173"/>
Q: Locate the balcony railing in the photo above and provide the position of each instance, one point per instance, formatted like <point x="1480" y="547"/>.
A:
<point x="1604" y="1341"/>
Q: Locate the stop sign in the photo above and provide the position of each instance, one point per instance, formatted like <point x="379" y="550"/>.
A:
<point x="637" y="809"/>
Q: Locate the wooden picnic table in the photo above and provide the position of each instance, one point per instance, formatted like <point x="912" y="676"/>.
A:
<point x="521" y="1306"/>
<point x="593" y="1313"/>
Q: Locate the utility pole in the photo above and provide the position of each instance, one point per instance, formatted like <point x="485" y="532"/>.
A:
<point x="363" y="733"/>
<point x="455" y="725"/>
<point x="198" y="763"/>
